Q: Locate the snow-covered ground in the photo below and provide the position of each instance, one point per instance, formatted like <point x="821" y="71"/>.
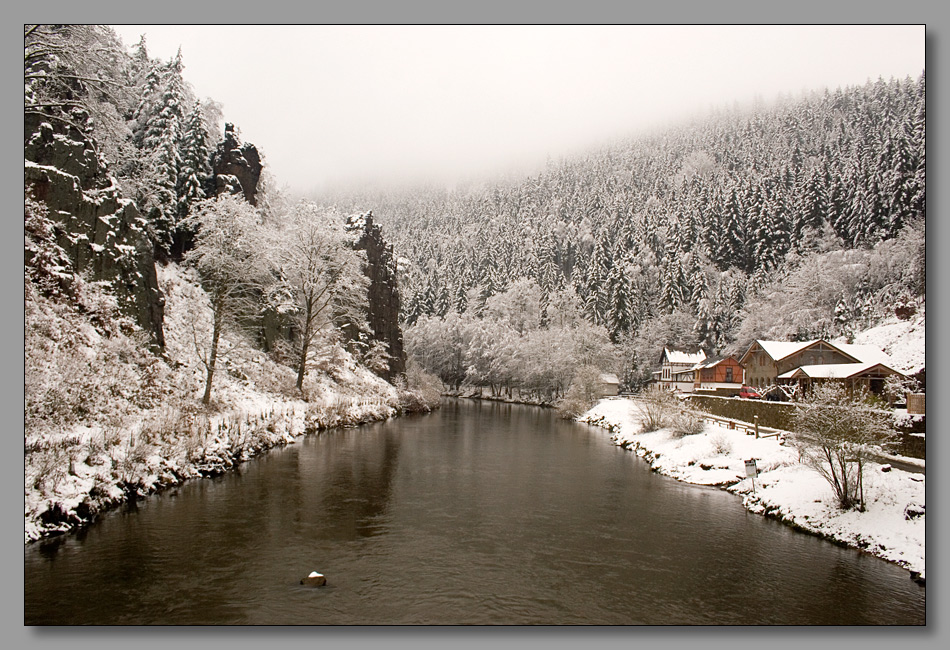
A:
<point x="785" y="488"/>
<point x="75" y="470"/>
<point x="902" y="340"/>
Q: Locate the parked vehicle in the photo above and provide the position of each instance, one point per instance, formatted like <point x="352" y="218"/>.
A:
<point x="747" y="392"/>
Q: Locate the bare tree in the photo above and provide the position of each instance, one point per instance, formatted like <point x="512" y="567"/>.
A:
<point x="583" y="393"/>
<point x="835" y="429"/>
<point x="656" y="407"/>
<point x="233" y="269"/>
<point x="321" y="275"/>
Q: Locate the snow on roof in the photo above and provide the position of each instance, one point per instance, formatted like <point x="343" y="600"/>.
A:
<point x="678" y="356"/>
<point x="609" y="378"/>
<point x="864" y="353"/>
<point x="833" y="370"/>
<point x="712" y="362"/>
<point x="781" y="349"/>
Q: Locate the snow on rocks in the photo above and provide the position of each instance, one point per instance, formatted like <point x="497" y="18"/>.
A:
<point x="314" y="580"/>
<point x="891" y="527"/>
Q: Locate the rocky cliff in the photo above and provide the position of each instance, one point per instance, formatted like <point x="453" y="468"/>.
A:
<point x="103" y="233"/>
<point x="383" y="308"/>
<point x="235" y="167"/>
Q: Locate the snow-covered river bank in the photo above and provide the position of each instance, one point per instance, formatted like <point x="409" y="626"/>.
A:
<point x="785" y="488"/>
<point x="104" y="473"/>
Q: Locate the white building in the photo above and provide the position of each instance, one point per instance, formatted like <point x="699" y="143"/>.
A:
<point x="677" y="369"/>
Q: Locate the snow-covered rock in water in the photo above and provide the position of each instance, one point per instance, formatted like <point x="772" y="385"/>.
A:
<point x="314" y="580"/>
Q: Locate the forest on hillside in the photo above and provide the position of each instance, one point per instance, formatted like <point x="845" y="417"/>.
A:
<point x="159" y="180"/>
<point x="181" y="314"/>
<point x="799" y="219"/>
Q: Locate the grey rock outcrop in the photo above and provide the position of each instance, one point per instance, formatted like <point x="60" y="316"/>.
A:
<point x="383" y="308"/>
<point x="103" y="233"/>
<point x="235" y="167"/>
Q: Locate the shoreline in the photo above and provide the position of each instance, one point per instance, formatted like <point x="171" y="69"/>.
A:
<point x="495" y="398"/>
<point x="224" y="441"/>
<point x="784" y="490"/>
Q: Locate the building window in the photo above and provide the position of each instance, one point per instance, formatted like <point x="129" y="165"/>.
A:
<point x="729" y="375"/>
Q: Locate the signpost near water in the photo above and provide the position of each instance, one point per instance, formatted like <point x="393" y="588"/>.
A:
<point x="751" y="471"/>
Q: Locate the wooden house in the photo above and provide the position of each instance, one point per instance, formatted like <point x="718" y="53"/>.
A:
<point x="719" y="375"/>
<point x="805" y="362"/>
<point x="676" y="369"/>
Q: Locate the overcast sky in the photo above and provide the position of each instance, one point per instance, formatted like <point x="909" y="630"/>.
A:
<point x="329" y="104"/>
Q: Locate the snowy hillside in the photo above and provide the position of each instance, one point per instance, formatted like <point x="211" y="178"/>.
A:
<point x="902" y="340"/>
<point x="108" y="422"/>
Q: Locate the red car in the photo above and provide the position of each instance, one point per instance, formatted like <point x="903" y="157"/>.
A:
<point x="747" y="392"/>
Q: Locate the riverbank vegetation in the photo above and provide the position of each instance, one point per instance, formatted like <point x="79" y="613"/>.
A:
<point x="107" y="420"/>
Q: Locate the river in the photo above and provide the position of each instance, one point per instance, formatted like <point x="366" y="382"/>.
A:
<point x="480" y="513"/>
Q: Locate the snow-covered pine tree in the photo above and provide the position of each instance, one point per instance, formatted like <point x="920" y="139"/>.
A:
<point x="195" y="159"/>
<point x="619" y="315"/>
<point x="163" y="210"/>
<point x="160" y="142"/>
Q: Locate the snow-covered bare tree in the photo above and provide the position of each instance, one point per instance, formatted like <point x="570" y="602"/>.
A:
<point x="835" y="429"/>
<point x="227" y="255"/>
<point x="75" y="78"/>
<point x="322" y="276"/>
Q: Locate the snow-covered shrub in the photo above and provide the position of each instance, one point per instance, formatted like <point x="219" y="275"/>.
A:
<point x="582" y="394"/>
<point x="75" y="372"/>
<point x="896" y="386"/>
<point x="656" y="406"/>
<point x="419" y="390"/>
<point x="685" y="423"/>
<point x="721" y="444"/>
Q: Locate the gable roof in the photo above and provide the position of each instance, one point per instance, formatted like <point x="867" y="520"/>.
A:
<point x="712" y="362"/>
<point x="833" y="370"/>
<point x="680" y="356"/>
<point x="779" y="350"/>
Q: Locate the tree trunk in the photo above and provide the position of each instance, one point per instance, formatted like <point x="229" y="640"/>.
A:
<point x="215" y="336"/>
<point x="305" y="348"/>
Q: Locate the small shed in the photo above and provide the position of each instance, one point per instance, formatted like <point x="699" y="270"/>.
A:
<point x="608" y="385"/>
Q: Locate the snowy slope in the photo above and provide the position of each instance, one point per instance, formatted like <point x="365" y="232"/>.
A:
<point x="903" y="341"/>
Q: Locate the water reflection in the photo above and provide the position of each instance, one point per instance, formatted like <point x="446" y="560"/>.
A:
<point x="483" y="513"/>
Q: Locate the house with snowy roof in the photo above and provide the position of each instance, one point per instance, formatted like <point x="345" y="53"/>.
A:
<point x="719" y="376"/>
<point x="676" y="369"/>
<point x="806" y="362"/>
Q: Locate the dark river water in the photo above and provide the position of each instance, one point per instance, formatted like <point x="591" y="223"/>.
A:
<point x="479" y="513"/>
